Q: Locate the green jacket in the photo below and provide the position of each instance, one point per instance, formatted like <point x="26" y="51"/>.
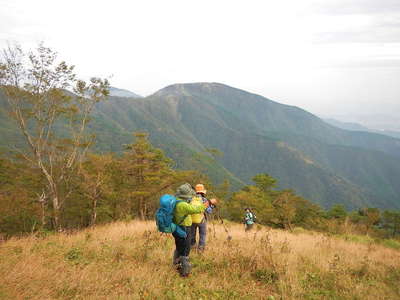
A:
<point x="183" y="208"/>
<point x="249" y="218"/>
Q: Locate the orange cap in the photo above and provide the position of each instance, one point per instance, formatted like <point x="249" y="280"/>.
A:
<point x="200" y="188"/>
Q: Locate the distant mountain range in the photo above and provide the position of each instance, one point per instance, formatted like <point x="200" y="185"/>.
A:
<point x="116" y="92"/>
<point x="321" y="162"/>
<point x="359" y="127"/>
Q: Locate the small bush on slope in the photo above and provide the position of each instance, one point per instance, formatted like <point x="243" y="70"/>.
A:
<point x="132" y="261"/>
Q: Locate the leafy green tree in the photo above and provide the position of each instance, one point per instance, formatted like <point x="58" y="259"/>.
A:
<point x="19" y="209"/>
<point x="254" y="198"/>
<point x="337" y="212"/>
<point x="285" y="209"/>
<point x="372" y="217"/>
<point x="391" y="222"/>
<point x="308" y="214"/>
<point x="264" y="182"/>
<point x="96" y="182"/>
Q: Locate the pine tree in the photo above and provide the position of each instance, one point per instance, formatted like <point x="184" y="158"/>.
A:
<point x="147" y="173"/>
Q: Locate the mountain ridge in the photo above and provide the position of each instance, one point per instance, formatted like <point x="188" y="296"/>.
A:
<point x="117" y="92"/>
<point x="358" y="127"/>
<point x="325" y="164"/>
<point x="218" y="116"/>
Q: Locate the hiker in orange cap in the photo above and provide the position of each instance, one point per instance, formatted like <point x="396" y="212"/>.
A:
<point x="200" y="220"/>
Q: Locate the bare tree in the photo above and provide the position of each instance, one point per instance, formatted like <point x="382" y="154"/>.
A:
<point x="52" y="109"/>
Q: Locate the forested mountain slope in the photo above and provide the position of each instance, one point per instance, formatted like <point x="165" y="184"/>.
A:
<point x="256" y="135"/>
<point x="323" y="163"/>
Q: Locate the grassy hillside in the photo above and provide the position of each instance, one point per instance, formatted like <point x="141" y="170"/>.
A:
<point x="132" y="261"/>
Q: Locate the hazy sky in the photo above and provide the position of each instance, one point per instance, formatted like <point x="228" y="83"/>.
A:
<point x="331" y="57"/>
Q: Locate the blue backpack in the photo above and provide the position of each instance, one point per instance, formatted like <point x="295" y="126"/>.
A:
<point x="165" y="215"/>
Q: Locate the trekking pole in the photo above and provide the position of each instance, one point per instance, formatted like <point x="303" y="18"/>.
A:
<point x="223" y="224"/>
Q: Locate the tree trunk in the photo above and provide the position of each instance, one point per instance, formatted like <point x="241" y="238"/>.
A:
<point x="289" y="224"/>
<point x="56" y="214"/>
<point x="141" y="208"/>
<point x="141" y="213"/>
<point x="43" y="206"/>
<point x="94" y="212"/>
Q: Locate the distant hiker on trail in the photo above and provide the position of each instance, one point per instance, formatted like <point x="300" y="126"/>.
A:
<point x="182" y="217"/>
<point x="249" y="219"/>
<point x="200" y="220"/>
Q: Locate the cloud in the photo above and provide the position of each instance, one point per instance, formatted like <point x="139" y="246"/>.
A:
<point x="358" y="21"/>
<point x="353" y="7"/>
<point x="19" y="25"/>
<point x="316" y="57"/>
<point x="369" y="63"/>
<point x="377" y="33"/>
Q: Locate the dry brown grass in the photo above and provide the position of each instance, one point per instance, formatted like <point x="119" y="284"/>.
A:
<point x="133" y="261"/>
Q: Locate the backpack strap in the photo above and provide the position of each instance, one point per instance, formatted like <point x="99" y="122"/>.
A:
<point x="183" y="219"/>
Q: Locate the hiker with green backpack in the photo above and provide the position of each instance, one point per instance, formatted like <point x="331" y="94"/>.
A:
<point x="174" y="216"/>
<point x="183" y="216"/>
<point x="249" y="219"/>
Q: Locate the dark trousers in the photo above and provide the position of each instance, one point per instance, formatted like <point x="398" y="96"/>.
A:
<point x="202" y="233"/>
<point x="248" y="227"/>
<point x="183" y="244"/>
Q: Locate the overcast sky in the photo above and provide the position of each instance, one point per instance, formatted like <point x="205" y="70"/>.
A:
<point x="330" y="57"/>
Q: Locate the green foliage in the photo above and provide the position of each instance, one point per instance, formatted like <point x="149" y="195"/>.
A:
<point x="285" y="209"/>
<point x="321" y="163"/>
<point x="51" y="120"/>
<point x="391" y="222"/>
<point x="111" y="188"/>
<point x="106" y="188"/>
<point x="273" y="207"/>
<point x="390" y="243"/>
<point x="320" y="286"/>
<point x="293" y="146"/>
<point x="337" y="212"/>
<point x="146" y="174"/>
<point x="115" y="187"/>
<point x="254" y="198"/>
<point x="73" y="254"/>
<point x="264" y="182"/>
<point x="363" y="239"/>
<point x="265" y="276"/>
<point x="18" y="187"/>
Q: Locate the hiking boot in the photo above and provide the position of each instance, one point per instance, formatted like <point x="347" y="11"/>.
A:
<point x="186" y="267"/>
